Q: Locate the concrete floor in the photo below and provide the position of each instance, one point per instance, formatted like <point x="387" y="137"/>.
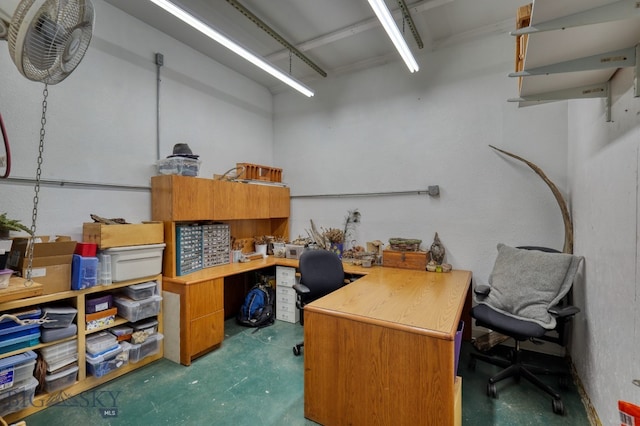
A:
<point x="254" y="379"/>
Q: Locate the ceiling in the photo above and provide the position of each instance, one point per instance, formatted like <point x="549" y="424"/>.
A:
<point x="339" y="36"/>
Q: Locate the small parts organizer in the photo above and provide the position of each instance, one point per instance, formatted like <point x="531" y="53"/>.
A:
<point x="201" y="246"/>
<point x="257" y="172"/>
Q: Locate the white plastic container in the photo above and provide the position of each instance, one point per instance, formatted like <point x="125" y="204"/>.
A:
<point x="18" y="397"/>
<point x="55" y="353"/>
<point x="5" y="277"/>
<point x="141" y="291"/>
<point x="103" y="364"/>
<point x="61" y="380"/>
<point x="101" y="342"/>
<point x="60" y="316"/>
<point x="16" y="369"/>
<point x="132" y="262"/>
<point x="51" y="366"/>
<point x="136" y="310"/>
<point x="149" y="326"/>
<point x="149" y="347"/>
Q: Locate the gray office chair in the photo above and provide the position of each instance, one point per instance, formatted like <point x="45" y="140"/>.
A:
<point x="321" y="273"/>
<point x="517" y="275"/>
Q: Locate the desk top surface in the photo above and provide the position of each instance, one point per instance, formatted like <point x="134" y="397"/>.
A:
<point x="238" y="268"/>
<point x="421" y="302"/>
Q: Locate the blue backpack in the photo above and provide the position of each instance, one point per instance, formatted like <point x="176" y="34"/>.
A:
<point x="258" y="307"/>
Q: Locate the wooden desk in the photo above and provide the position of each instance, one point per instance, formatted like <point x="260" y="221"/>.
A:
<point x="193" y="306"/>
<point x="380" y="351"/>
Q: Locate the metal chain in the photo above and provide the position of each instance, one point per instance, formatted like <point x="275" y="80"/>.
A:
<point x="34" y="213"/>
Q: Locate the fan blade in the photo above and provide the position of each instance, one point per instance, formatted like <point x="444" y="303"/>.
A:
<point x="43" y="42"/>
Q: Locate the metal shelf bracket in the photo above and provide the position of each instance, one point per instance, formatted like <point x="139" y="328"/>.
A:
<point x="616" y="59"/>
<point x="602" y="90"/>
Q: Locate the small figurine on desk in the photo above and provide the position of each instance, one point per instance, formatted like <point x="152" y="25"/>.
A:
<point x="437" y="250"/>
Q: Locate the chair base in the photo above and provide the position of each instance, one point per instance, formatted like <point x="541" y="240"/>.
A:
<point x="297" y="349"/>
<point x="517" y="369"/>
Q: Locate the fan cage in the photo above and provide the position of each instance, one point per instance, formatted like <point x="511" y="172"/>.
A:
<point x="48" y="38"/>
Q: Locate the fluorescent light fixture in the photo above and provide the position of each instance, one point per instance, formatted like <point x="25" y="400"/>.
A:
<point x="385" y="18"/>
<point x="231" y="45"/>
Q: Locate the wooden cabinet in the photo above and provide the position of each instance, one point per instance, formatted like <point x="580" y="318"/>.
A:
<point x="196" y="311"/>
<point x="181" y="198"/>
<point x="184" y="198"/>
<point x="84" y="380"/>
<point x="195" y="302"/>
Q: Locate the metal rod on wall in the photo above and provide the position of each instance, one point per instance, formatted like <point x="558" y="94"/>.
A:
<point x="432" y="190"/>
<point x="77" y="184"/>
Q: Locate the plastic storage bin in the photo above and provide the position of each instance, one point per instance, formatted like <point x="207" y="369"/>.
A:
<point x="122" y="332"/>
<point x="52" y="334"/>
<point x="136" y="310"/>
<point x="55" y="353"/>
<point x="178" y="166"/>
<point x="61" y="380"/>
<point x="150" y="347"/>
<point x="132" y="262"/>
<point x="103" y="364"/>
<point x="23" y="339"/>
<point x="149" y="326"/>
<point x="52" y="367"/>
<point x="9" y="329"/>
<point x="18" y="397"/>
<point x="141" y="291"/>
<point x="59" y="316"/>
<point x="84" y="272"/>
<point x="98" y="303"/>
<point x="5" y="277"/>
<point x="16" y="369"/>
<point x="100" y="343"/>
<point x="7" y="323"/>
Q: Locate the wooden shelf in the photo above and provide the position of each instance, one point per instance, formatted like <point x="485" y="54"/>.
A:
<point x="563" y="47"/>
<point x="84" y="381"/>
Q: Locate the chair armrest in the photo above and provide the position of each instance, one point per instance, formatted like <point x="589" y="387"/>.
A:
<point x="482" y="290"/>
<point x="301" y="289"/>
<point x="563" y="311"/>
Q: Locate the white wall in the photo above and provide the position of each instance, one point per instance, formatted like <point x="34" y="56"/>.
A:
<point x="385" y="129"/>
<point x="604" y="184"/>
<point x="101" y="123"/>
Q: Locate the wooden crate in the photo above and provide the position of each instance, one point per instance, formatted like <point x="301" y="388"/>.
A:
<point x="405" y="259"/>
<point x="523" y="20"/>
<point x="258" y="172"/>
<point x="133" y="234"/>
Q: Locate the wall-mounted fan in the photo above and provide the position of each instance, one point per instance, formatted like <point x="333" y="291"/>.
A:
<point x="47" y="38"/>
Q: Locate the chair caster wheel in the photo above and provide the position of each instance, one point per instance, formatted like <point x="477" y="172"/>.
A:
<point x="558" y="407"/>
<point x="296" y="350"/>
<point x="492" y="391"/>
<point x="564" y="382"/>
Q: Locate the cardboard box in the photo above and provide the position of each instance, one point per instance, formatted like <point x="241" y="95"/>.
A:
<point x="405" y="259"/>
<point x="51" y="265"/>
<point x="131" y="234"/>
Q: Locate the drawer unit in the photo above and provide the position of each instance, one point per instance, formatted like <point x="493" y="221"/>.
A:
<point x="286" y="309"/>
<point x="292" y="317"/>
<point x="285" y="295"/>
<point x="285" y="276"/>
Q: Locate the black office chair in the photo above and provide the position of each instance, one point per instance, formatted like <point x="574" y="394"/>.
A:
<point x="321" y="273"/>
<point x="495" y="315"/>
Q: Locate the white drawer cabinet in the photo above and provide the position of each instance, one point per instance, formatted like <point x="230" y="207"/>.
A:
<point x="286" y="309"/>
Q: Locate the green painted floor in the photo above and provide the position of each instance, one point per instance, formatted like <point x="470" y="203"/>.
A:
<point x="254" y="379"/>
